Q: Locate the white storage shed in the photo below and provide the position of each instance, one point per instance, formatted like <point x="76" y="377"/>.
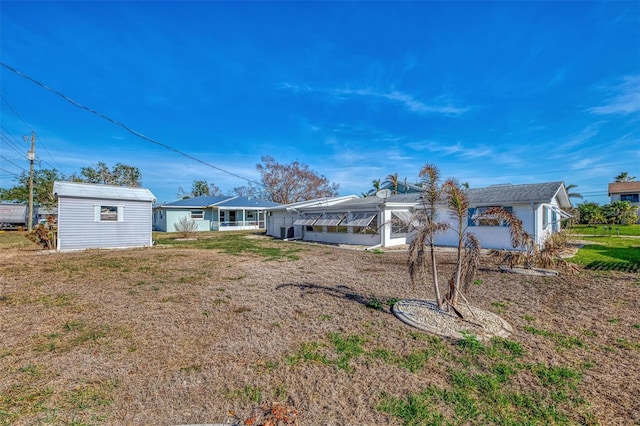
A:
<point x="102" y="216"/>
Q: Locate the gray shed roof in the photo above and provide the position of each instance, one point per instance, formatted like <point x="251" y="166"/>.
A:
<point x="92" y="190"/>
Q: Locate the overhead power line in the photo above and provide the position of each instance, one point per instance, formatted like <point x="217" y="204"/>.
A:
<point x="9" y="172"/>
<point x="124" y="126"/>
<point x="9" y="161"/>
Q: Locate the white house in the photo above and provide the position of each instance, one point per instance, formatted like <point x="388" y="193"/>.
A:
<point x="281" y="218"/>
<point x="102" y="216"/>
<point x="373" y="221"/>
<point x="213" y="213"/>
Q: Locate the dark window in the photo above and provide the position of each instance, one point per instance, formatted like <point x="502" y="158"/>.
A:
<point x="632" y="198"/>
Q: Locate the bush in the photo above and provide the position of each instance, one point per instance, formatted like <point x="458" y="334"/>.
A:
<point x="186" y="227"/>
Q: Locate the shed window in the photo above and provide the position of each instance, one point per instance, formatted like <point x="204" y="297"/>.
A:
<point x="104" y="213"/>
<point x="632" y="198"/>
<point x="108" y="213"/>
<point x="197" y="214"/>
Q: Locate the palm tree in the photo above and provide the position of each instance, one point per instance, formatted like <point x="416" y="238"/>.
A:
<point x="431" y="196"/>
<point x="377" y="183"/>
<point x="393" y="181"/>
<point x="458" y="205"/>
<point x="573" y="194"/>
<point x="624" y="177"/>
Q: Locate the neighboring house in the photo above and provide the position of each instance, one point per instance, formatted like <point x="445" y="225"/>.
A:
<point x="373" y="221"/>
<point x="626" y="191"/>
<point x="102" y="216"/>
<point x="213" y="213"/>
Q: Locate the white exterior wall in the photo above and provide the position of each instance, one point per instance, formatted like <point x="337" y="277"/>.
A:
<point x="490" y="237"/>
<point x="78" y="228"/>
<point x="342" y="238"/>
<point x="388" y="239"/>
<point x="279" y="219"/>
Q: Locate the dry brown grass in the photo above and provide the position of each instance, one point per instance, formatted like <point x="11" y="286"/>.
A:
<point x="174" y="335"/>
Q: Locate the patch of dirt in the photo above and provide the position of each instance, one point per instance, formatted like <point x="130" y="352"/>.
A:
<point x="186" y="336"/>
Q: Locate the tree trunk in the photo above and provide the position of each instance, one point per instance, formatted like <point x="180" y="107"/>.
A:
<point x="436" y="287"/>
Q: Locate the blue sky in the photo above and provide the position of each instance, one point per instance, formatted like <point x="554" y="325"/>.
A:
<point x="491" y="92"/>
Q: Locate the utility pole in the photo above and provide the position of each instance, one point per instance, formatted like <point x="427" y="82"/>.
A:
<point x="31" y="155"/>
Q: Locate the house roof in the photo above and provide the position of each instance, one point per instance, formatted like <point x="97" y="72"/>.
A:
<point x="526" y="193"/>
<point x="246" y="202"/>
<point x="492" y="195"/>
<point x="624" y="187"/>
<point x="92" y="190"/>
<point x="222" y="201"/>
<point x="316" y="202"/>
<point x="201" y="201"/>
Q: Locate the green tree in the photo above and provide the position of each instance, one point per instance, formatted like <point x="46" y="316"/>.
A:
<point x="290" y="183"/>
<point x="377" y="184"/>
<point x="199" y="188"/>
<point x="624" y="177"/>
<point x="590" y="213"/>
<point x="43" y="180"/>
<point x="120" y="175"/>
<point x="392" y="180"/>
<point x="620" y="212"/>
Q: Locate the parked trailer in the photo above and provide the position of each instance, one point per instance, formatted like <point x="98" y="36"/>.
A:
<point x="13" y="216"/>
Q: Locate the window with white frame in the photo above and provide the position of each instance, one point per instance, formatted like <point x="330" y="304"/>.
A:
<point x="400" y="222"/>
<point x="197" y="214"/>
<point x="476" y="216"/>
<point x="108" y="213"/>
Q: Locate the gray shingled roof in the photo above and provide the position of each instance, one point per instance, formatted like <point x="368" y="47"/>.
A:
<point x="527" y="193"/>
<point x="491" y="195"/>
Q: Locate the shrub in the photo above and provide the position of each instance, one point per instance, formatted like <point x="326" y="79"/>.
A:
<point x="186" y="227"/>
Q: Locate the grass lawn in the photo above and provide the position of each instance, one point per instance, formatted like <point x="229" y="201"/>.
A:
<point x="605" y="252"/>
<point x="606" y="230"/>
<point x="239" y="328"/>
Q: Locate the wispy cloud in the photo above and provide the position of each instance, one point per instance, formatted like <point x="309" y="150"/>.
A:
<point x="407" y="101"/>
<point x="623" y="98"/>
<point x="453" y="149"/>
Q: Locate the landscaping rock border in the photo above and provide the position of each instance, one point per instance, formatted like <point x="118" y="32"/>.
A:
<point x="425" y="315"/>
